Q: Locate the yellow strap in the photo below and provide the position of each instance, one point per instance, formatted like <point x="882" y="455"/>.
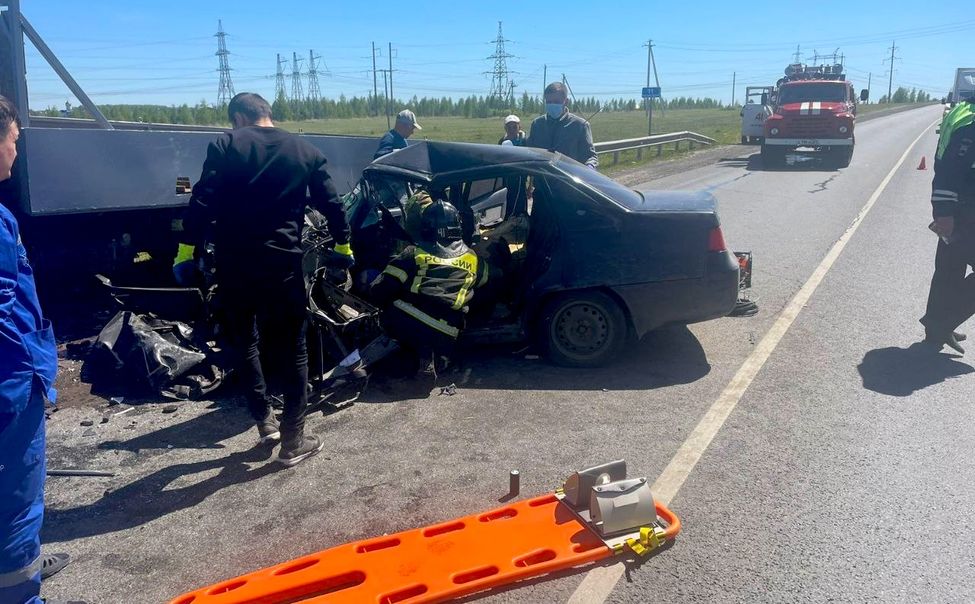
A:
<point x="396" y="273"/>
<point x="343" y="248"/>
<point x="484" y="275"/>
<point x="434" y="323"/>
<point x="637" y="547"/>
<point x="183" y="253"/>
<point x="651" y="538"/>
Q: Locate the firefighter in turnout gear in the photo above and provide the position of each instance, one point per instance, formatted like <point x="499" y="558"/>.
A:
<point x="951" y="300"/>
<point x="425" y="290"/>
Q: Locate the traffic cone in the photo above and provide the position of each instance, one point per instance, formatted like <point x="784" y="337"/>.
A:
<point x="922" y="165"/>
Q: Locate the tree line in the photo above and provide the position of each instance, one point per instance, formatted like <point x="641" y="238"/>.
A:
<point x="203" y="113"/>
<point x="903" y="95"/>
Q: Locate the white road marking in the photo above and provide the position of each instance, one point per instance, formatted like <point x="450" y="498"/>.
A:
<point x="600" y="581"/>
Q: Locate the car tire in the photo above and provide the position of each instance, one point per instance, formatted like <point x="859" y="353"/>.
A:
<point x="583" y="329"/>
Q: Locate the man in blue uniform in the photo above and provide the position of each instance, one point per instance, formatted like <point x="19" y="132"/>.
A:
<point x="29" y="365"/>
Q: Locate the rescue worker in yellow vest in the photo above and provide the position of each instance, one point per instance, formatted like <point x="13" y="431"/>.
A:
<point x="425" y="290"/>
<point x="951" y="300"/>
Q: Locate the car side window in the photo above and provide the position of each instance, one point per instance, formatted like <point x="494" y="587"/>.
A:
<point x="482" y="188"/>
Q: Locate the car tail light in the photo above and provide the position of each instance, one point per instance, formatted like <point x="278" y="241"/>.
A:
<point x="716" y="240"/>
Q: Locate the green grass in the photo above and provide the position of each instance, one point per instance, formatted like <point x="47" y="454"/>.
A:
<point x="723" y="125"/>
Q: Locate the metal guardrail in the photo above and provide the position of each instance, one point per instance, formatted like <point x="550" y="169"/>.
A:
<point x="43" y="121"/>
<point x="657" y="140"/>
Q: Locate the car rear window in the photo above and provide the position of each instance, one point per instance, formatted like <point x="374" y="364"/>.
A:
<point x="628" y="198"/>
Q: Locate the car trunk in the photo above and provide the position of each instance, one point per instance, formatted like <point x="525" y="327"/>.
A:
<point x="664" y="239"/>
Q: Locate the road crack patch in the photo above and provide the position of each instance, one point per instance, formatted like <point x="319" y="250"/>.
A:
<point x="822" y="185"/>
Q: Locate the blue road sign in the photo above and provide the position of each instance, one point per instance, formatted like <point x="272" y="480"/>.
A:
<point x="651" y="92"/>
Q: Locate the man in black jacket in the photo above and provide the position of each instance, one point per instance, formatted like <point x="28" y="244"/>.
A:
<point x="558" y="130"/>
<point x="251" y="197"/>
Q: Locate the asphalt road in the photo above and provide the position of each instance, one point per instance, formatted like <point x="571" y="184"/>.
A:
<point x="840" y="475"/>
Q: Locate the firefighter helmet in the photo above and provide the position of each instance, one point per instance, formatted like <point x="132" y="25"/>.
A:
<point x="441" y="223"/>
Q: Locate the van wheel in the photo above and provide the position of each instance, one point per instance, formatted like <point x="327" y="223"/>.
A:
<point x="583" y="329"/>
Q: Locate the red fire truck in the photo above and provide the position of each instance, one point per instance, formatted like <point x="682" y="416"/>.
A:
<point x="814" y="107"/>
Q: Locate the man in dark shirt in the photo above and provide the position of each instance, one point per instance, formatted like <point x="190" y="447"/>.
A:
<point x="561" y="131"/>
<point x="396" y="138"/>
<point x="251" y="197"/>
<point x="951" y="299"/>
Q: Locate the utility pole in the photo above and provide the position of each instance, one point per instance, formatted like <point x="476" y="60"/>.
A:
<point x="296" y="92"/>
<point x="226" y="90"/>
<point x="314" y="92"/>
<point x="796" y="55"/>
<point x="390" y="78"/>
<point x="734" y="80"/>
<point x="386" y="94"/>
<point x="890" y="80"/>
<point x="649" y="101"/>
<point x="656" y="80"/>
<point x="375" y="87"/>
<point x="280" y="92"/>
<point x="544" y="78"/>
<point x="869" y="78"/>
<point x="502" y="88"/>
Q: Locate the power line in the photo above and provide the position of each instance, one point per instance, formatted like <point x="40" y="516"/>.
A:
<point x="226" y="90"/>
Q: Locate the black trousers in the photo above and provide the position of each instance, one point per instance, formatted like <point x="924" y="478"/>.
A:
<point x="951" y="300"/>
<point x="268" y="316"/>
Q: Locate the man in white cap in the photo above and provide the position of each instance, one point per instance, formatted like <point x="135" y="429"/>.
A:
<point x="396" y="138"/>
<point x="513" y="134"/>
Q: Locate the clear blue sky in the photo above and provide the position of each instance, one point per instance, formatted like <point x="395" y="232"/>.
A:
<point x="162" y="52"/>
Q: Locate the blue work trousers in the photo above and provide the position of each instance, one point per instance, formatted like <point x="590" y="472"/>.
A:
<point x="22" y="473"/>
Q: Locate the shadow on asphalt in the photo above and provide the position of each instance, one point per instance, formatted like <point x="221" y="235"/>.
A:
<point x="154" y="497"/>
<point x="665" y="357"/>
<point x="202" y="432"/>
<point x="903" y="371"/>
<point x="795" y="162"/>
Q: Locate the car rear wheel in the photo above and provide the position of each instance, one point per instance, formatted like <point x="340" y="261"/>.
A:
<point x="583" y="329"/>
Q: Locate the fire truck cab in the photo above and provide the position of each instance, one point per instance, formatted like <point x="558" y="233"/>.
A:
<point x="814" y="108"/>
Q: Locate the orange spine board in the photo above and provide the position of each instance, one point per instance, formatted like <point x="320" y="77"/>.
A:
<point x="430" y="564"/>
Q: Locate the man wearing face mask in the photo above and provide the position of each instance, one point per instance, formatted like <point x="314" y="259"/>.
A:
<point x="561" y="131"/>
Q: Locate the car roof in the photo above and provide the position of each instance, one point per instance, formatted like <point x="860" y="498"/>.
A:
<point x="431" y="161"/>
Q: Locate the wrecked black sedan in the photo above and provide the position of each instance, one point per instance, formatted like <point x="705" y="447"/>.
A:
<point x="589" y="264"/>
